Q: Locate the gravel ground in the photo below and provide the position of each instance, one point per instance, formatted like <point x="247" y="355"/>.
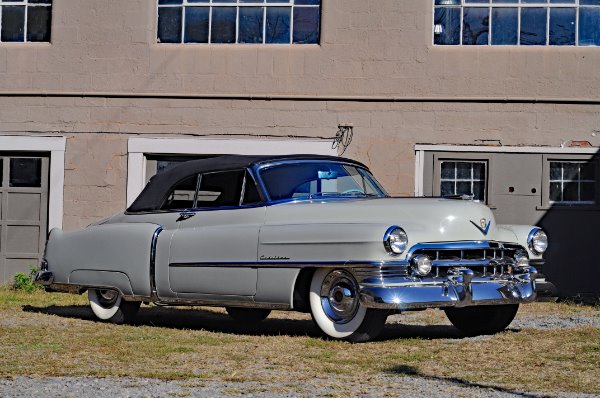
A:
<point x="407" y="386"/>
<point x="380" y="385"/>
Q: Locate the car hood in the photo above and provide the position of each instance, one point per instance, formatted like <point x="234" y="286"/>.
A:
<point x="423" y="219"/>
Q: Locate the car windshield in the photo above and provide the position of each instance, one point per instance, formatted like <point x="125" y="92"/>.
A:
<point x="317" y="179"/>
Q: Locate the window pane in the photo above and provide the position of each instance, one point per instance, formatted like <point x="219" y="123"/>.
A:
<point x="220" y="189"/>
<point x="588" y="171"/>
<point x="13" y="23"/>
<point x="251" y="194"/>
<point x="479" y="190"/>
<point x="196" y="24"/>
<point x="306" y="25"/>
<point x="555" y="171"/>
<point x="25" y="172"/>
<point x="590" y="2"/>
<point x="476" y="23"/>
<point x="570" y="171"/>
<point x="570" y="192"/>
<point x="169" y="25"/>
<point x="38" y="23"/>
<point x="463" y="170"/>
<point x="447" y="170"/>
<point x="463" y="188"/>
<point x="307" y="2"/>
<point x="588" y="191"/>
<point x="555" y="192"/>
<point x="170" y="1"/>
<point x="223" y="25"/>
<point x="533" y="26"/>
<point x="562" y="26"/>
<point x="251" y="25"/>
<point x="447" y="188"/>
<point x="447" y="26"/>
<point x="589" y="26"/>
<point x="478" y="171"/>
<point x="1" y="173"/>
<point x="505" y="23"/>
<point x="278" y="25"/>
<point x="182" y="196"/>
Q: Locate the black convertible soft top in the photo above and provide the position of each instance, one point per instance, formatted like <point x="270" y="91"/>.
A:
<point x="160" y="185"/>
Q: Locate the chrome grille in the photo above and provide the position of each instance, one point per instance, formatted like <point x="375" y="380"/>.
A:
<point x="497" y="259"/>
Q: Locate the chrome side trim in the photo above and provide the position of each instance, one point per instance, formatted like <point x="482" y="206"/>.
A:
<point x="157" y="232"/>
<point x="293" y="264"/>
<point x="221" y="303"/>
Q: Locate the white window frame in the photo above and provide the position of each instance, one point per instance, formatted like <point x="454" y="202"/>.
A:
<point x="138" y="148"/>
<point x="238" y="5"/>
<point x="420" y="150"/>
<point x="471" y="180"/>
<point x="562" y="182"/>
<point x="26" y="4"/>
<point x="576" y="5"/>
<point x="56" y="146"/>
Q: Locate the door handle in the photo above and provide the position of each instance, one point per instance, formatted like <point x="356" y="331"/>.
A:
<point x="184" y="215"/>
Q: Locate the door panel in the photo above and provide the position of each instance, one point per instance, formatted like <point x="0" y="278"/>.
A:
<point x="23" y="212"/>
<point x="206" y="247"/>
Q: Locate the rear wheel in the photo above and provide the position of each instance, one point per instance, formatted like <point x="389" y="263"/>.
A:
<point x="485" y="319"/>
<point x="336" y="308"/>
<point x="248" y="315"/>
<point x="108" y="305"/>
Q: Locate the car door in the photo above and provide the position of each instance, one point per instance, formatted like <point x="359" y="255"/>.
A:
<point x="213" y="253"/>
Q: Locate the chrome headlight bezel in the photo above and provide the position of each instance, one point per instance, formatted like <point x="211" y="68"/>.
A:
<point x="395" y="240"/>
<point x="537" y="241"/>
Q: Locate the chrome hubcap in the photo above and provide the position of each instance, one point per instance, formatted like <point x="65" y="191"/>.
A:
<point x="339" y="296"/>
<point x="107" y="298"/>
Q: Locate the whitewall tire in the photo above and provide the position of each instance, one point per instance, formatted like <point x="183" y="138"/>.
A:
<point x="108" y="305"/>
<point x="336" y="308"/>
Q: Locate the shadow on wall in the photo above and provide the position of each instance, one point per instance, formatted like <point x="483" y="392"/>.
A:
<point x="573" y="227"/>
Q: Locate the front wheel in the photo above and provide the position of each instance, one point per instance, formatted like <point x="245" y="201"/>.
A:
<point x="485" y="319"/>
<point x="336" y="308"/>
<point x="108" y="305"/>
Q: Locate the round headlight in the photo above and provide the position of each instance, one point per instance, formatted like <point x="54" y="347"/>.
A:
<point x="395" y="240"/>
<point x="422" y="264"/>
<point x="538" y="241"/>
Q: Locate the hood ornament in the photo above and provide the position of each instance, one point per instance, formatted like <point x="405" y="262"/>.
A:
<point x="484" y="226"/>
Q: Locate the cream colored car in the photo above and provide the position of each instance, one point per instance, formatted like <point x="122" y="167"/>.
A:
<point x="307" y="233"/>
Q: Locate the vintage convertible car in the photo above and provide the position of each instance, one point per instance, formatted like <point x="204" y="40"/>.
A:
<point x="308" y="233"/>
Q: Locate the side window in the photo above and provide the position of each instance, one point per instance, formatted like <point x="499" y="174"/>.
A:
<point x="182" y="196"/>
<point x="463" y="178"/>
<point x="251" y="194"/>
<point x="572" y="182"/>
<point x="220" y="189"/>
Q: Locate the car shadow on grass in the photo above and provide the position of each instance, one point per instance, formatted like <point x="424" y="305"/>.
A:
<point x="201" y="319"/>
<point x="407" y="370"/>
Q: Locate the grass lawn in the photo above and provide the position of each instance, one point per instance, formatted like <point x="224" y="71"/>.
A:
<point x="45" y="334"/>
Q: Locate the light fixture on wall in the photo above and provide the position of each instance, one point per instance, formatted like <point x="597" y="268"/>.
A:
<point x="438" y="29"/>
<point x="343" y="137"/>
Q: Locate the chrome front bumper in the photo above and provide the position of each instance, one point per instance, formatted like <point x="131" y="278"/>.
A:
<point x="460" y="290"/>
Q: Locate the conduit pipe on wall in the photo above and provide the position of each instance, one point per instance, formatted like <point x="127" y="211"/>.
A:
<point x="284" y="97"/>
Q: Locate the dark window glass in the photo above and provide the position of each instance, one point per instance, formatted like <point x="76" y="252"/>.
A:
<point x="478" y="171"/>
<point x="1" y="173"/>
<point x="196" y="24"/>
<point x="570" y="192"/>
<point x="447" y="26"/>
<point x="182" y="195"/>
<point x="463" y="170"/>
<point x="306" y="25"/>
<point x="447" y="188"/>
<point x="251" y="194"/>
<point x="223" y="25"/>
<point x="310" y="2"/>
<point x="589" y="26"/>
<point x="13" y="23"/>
<point x="533" y="26"/>
<point x="25" y="172"/>
<point x="278" y="25"/>
<point x="447" y="170"/>
<point x="555" y="171"/>
<point x="476" y="23"/>
<point x="505" y="23"/>
<point x="38" y="23"/>
<point x="251" y="25"/>
<point x="555" y="192"/>
<point x="562" y="26"/>
<point x="41" y="1"/>
<point x="588" y="191"/>
<point x="170" y="1"/>
<point x="570" y="171"/>
<point x="169" y="24"/>
<point x="588" y="171"/>
<point x="220" y="189"/>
